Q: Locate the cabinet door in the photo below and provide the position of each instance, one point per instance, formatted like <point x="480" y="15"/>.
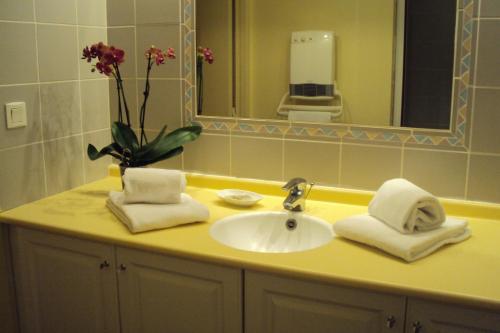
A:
<point x="8" y="315"/>
<point x="433" y="317"/>
<point x="64" y="284"/>
<point x="164" y="294"/>
<point x="282" y="305"/>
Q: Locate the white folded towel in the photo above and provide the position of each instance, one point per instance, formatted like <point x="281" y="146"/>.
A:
<point x="406" y="207"/>
<point x="368" y="230"/>
<point x="311" y="116"/>
<point x="144" y="217"/>
<point x="148" y="185"/>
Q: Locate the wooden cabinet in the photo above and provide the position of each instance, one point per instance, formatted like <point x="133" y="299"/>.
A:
<point x="166" y="294"/>
<point x="67" y="285"/>
<point x="64" y="284"/>
<point x="433" y="317"/>
<point x="282" y="305"/>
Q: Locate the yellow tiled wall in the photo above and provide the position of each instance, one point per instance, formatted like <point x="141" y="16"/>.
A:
<point x="67" y="105"/>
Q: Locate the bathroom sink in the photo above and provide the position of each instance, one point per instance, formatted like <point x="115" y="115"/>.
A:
<point x="272" y="232"/>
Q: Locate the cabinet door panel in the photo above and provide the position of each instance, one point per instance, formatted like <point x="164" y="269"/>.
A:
<point x="61" y="286"/>
<point x="278" y="305"/>
<point x="164" y="294"/>
<point x="435" y="317"/>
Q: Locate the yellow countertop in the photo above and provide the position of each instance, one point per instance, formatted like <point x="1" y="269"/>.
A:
<point x="465" y="273"/>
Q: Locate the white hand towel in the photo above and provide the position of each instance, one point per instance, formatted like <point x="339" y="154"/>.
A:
<point x="144" y="217"/>
<point x="310" y="116"/>
<point x="368" y="230"/>
<point x="406" y="207"/>
<point x="149" y="185"/>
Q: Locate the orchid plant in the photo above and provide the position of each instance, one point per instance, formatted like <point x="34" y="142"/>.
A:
<point x="127" y="147"/>
<point x="203" y="54"/>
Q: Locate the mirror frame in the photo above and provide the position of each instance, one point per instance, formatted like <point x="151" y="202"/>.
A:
<point x="455" y="138"/>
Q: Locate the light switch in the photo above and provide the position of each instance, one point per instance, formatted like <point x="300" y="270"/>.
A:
<point x="16" y="114"/>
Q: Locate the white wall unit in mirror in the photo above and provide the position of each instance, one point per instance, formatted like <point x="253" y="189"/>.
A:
<point x="375" y="131"/>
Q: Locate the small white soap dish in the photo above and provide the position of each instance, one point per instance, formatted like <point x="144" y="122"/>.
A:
<point x="239" y="197"/>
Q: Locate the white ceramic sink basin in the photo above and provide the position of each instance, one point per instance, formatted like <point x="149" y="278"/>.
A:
<point x="273" y="232"/>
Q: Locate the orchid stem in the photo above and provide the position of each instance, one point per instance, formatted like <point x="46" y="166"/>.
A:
<point x="120" y="116"/>
<point x="144" y="103"/>
<point x="121" y="96"/>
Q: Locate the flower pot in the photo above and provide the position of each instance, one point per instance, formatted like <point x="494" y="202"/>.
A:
<point x="122" y="172"/>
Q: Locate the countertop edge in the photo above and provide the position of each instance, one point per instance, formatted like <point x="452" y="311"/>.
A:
<point x="373" y="286"/>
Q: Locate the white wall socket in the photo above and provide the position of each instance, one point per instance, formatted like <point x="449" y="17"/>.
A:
<point x="15" y="113"/>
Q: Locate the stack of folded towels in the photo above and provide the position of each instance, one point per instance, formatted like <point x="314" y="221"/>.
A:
<point x="405" y="221"/>
<point x="154" y="199"/>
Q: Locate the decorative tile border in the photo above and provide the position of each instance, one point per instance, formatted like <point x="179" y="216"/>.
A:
<point x="381" y="135"/>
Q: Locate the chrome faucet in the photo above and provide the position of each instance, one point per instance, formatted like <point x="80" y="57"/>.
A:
<point x="296" y="199"/>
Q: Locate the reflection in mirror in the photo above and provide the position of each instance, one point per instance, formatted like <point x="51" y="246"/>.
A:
<point x="366" y="62"/>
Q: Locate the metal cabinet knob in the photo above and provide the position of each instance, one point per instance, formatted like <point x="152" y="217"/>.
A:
<point x="104" y="264"/>
<point x="123" y="267"/>
<point x="390" y="321"/>
<point x="416" y="326"/>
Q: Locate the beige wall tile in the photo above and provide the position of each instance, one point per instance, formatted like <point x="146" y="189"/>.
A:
<point x="162" y="36"/>
<point x="164" y="104"/>
<point x="16" y="10"/>
<point x="484" y="178"/>
<point x="157" y="11"/>
<point x="120" y="12"/>
<point x="57" y="53"/>
<point x="92" y="12"/>
<point x="367" y="167"/>
<point x="488" y="54"/>
<point x="60" y="109"/>
<point x="124" y="38"/>
<point x="209" y="154"/>
<point x="87" y="37"/>
<point x="97" y="169"/>
<point x="56" y="11"/>
<point x="131" y="96"/>
<point x="63" y="164"/>
<point x="95" y="104"/>
<point x="256" y="158"/>
<point x="486" y="136"/>
<point x="490" y="8"/>
<point x="23" y="135"/>
<point x="174" y="163"/>
<point x="441" y="173"/>
<point x="317" y="162"/>
<point x="18" y="55"/>
<point x="21" y="176"/>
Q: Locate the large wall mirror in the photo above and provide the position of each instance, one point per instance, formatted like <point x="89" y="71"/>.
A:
<point x="399" y="66"/>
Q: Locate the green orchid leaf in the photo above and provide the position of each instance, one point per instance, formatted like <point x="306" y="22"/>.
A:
<point x="165" y="156"/>
<point x="167" y="143"/>
<point x="147" y="147"/>
<point x="94" y="154"/>
<point x="117" y="147"/>
<point x="124" y="136"/>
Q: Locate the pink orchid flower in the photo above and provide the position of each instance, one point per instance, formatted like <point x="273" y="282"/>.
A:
<point x="206" y="53"/>
<point x="170" y="53"/>
<point x="158" y="55"/>
<point x="108" y="57"/>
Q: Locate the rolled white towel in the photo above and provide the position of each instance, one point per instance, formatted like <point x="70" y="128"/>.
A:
<point x="149" y="185"/>
<point x="368" y="230"/>
<point x="144" y="217"/>
<point x="406" y="207"/>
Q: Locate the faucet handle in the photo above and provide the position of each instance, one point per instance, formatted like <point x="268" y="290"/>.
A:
<point x="294" y="182"/>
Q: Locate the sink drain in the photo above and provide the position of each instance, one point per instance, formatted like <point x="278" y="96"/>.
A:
<point x="291" y="224"/>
